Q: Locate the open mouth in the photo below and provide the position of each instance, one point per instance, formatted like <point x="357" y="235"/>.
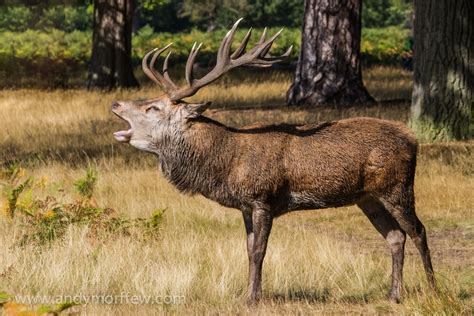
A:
<point x="125" y="135"/>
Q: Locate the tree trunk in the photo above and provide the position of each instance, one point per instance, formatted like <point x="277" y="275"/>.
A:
<point x="111" y="62"/>
<point x="328" y="70"/>
<point x="137" y="8"/>
<point x="443" y="92"/>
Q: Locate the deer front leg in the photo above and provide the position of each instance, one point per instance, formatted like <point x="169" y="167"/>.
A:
<point x="247" y="214"/>
<point x="258" y="225"/>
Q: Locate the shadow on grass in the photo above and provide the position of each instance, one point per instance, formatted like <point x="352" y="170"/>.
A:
<point x="321" y="296"/>
<point x="308" y="295"/>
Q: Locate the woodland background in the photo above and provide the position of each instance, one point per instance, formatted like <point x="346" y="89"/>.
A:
<point x="52" y="39"/>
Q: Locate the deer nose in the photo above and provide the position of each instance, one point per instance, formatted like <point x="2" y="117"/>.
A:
<point x="115" y="105"/>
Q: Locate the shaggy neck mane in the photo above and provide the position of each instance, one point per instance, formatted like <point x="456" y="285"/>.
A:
<point x="193" y="163"/>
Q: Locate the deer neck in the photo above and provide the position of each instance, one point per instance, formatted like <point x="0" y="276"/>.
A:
<point x="196" y="161"/>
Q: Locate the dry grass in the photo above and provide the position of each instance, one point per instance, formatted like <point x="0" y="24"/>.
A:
<point x="327" y="261"/>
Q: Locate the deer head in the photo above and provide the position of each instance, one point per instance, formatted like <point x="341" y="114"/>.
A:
<point x="151" y="121"/>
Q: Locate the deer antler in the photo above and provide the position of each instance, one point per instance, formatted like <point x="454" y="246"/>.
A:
<point x="165" y="81"/>
<point x="256" y="57"/>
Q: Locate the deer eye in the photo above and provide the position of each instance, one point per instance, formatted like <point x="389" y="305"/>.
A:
<point x="152" y="108"/>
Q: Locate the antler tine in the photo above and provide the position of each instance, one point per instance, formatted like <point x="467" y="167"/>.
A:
<point x="165" y="83"/>
<point x="145" y="67"/>
<point x="262" y="37"/>
<point x="288" y="52"/>
<point x="274" y="59"/>
<point x="190" y="63"/>
<point x="239" y="51"/>
<point x="188" y="69"/>
<point x="269" y="44"/>
<point x="156" y="55"/>
<point x="263" y="47"/>
<point x="224" y="50"/>
<point x="267" y="61"/>
<point x="165" y="71"/>
<point x="258" y="57"/>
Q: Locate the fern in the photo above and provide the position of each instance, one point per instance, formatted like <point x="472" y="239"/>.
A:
<point x="14" y="194"/>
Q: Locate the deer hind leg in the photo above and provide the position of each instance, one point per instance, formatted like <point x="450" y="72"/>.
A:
<point x="401" y="204"/>
<point x="388" y="227"/>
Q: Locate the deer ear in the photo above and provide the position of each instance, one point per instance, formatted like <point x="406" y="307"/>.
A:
<point x="193" y="110"/>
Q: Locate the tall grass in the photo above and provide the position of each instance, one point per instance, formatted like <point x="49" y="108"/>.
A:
<point x="326" y="261"/>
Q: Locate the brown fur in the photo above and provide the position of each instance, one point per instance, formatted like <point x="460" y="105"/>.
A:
<point x="331" y="164"/>
<point x="267" y="171"/>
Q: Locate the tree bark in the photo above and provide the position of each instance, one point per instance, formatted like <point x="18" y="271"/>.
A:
<point x="328" y="70"/>
<point x="443" y="92"/>
<point x="111" y="62"/>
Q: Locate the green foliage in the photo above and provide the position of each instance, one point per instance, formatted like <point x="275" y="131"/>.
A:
<point x="161" y="15"/>
<point x="60" y="48"/>
<point x="153" y="224"/>
<point x="388" y="45"/>
<point x="275" y="13"/>
<point x="154" y="4"/>
<point x="182" y="15"/>
<point x="4" y="297"/>
<point x="56" y="309"/>
<point x="213" y="14"/>
<point x="45" y="220"/>
<point x="63" y="57"/>
<point x="13" y="191"/>
<point x="63" y="17"/>
<point x="384" y="13"/>
<point x="57" y="54"/>
<point x="13" y="194"/>
<point x="85" y="186"/>
<point x="15" y="18"/>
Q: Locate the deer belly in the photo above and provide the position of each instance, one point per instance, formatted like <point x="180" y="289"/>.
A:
<point x="316" y="199"/>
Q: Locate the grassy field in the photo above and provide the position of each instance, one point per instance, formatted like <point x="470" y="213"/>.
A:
<point x="326" y="261"/>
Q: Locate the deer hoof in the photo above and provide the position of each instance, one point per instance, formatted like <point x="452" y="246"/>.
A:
<point x="253" y="300"/>
<point x="394" y="298"/>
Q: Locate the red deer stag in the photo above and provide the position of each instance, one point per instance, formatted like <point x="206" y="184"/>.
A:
<point x="267" y="171"/>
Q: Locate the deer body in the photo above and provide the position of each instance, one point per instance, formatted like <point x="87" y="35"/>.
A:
<point x="289" y="167"/>
<point x="266" y="171"/>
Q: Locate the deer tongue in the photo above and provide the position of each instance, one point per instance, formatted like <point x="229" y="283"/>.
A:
<point x="123" y="136"/>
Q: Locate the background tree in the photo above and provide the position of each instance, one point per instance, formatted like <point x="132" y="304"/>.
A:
<point x="111" y="63"/>
<point x="443" y="94"/>
<point x="328" y="70"/>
